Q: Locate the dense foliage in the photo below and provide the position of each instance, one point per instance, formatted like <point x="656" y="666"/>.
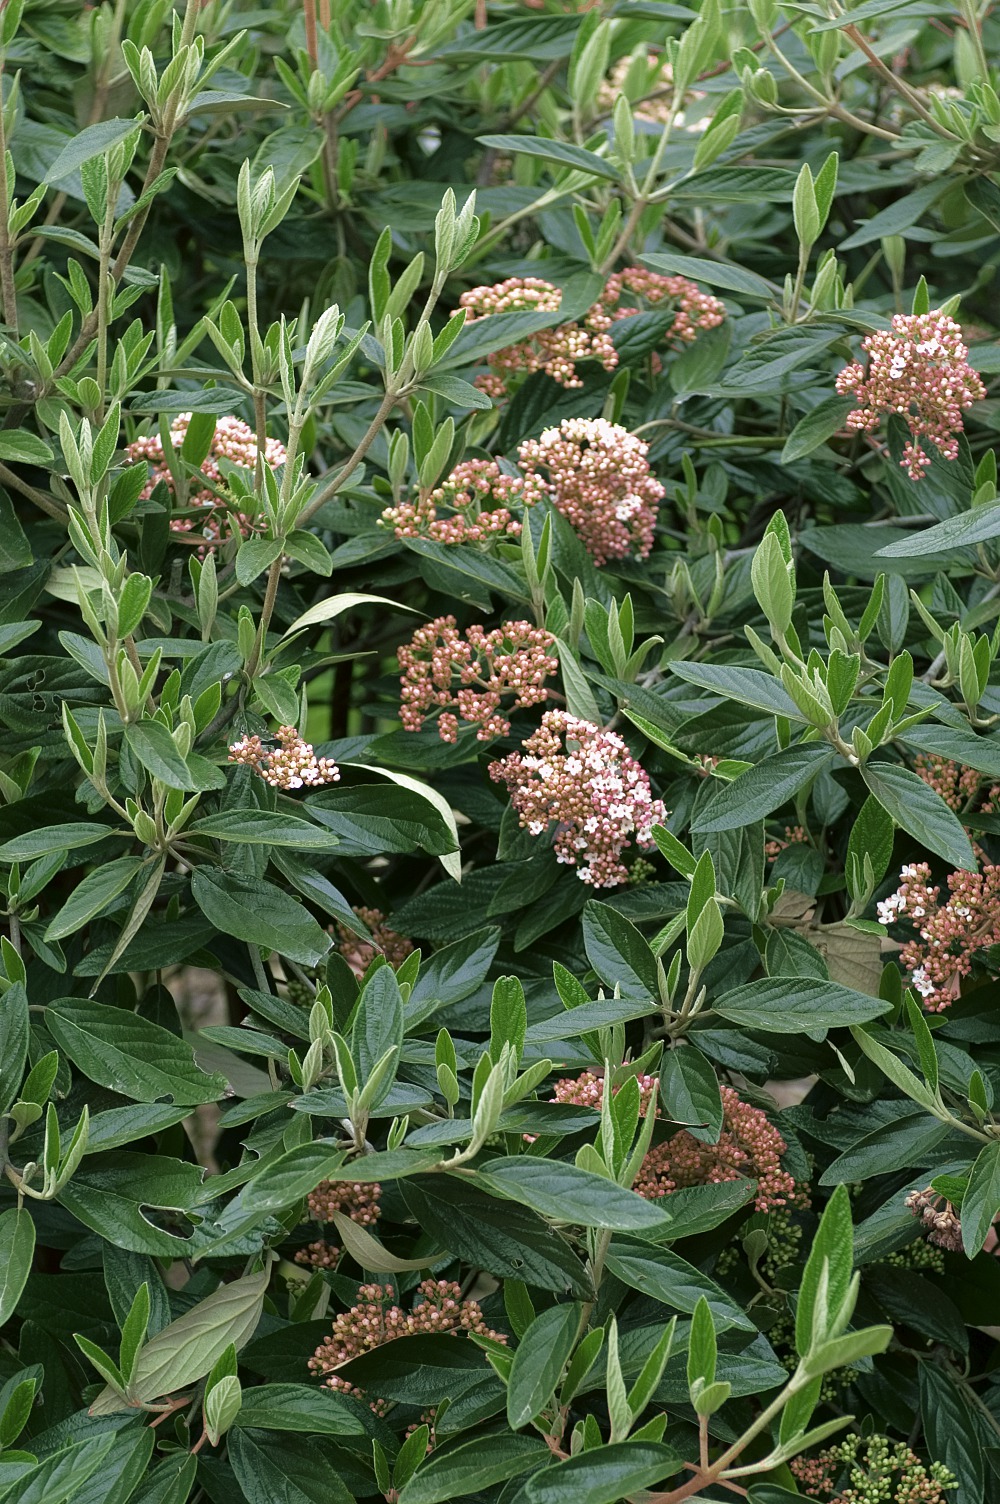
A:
<point x="500" y="789"/>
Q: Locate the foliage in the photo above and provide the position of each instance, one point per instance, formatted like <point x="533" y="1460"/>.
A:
<point x="473" y="593"/>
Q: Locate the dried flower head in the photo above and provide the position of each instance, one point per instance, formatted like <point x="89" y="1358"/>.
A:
<point x="376" y="1319"/>
<point x="872" y="1470"/>
<point x="949" y="935"/>
<point x="233" y="440"/>
<point x="472" y="506"/>
<point x="358" y="953"/>
<point x="597" y="475"/>
<point x="470" y="677"/>
<point x="918" y="369"/>
<point x="585" y="780"/>
<point x="749" y="1147"/>
<point x="941" y="1221"/>
<point x="292" y="764"/>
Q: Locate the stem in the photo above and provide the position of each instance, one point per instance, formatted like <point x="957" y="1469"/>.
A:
<point x="830" y="105"/>
<point x="47" y="503"/>
<point x="971" y="20"/>
<point x="901" y="87"/>
<point x="347" y="469"/>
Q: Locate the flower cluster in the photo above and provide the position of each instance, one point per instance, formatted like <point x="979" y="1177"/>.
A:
<point x="597" y="475"/>
<point x="469" y="678"/>
<point x="941" y="1221"/>
<point x="292" y="764"/>
<point x="948" y="935"/>
<point x="585" y="780"/>
<point x="555" y="351"/>
<point x="358" y="953"/>
<point x="233" y="440"/>
<point x="476" y="500"/>
<point x="918" y="369"/>
<point x="374" y="1320"/>
<point x="872" y="1470"/>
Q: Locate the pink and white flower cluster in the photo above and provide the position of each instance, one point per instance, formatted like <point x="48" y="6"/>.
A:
<point x="292" y="764"/>
<point x="585" y="780"/>
<point x="472" y="506"/>
<point x="470" y="678"/>
<point x="233" y="440"/>
<point x="375" y="1319"/>
<point x="359" y="1201"/>
<point x="919" y="369"/>
<point x="749" y="1147"/>
<point x="558" y="350"/>
<point x="949" y="935"/>
<point x="597" y="475"/>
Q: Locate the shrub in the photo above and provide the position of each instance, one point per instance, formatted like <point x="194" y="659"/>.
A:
<point x="499" y="579"/>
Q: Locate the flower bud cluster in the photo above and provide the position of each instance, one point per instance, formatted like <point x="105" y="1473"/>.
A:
<point x="476" y="501"/>
<point x="597" y="475"/>
<point x="585" y="780"/>
<point x="375" y="1319"/>
<point x="872" y="1470"/>
<point x="233" y="440"/>
<point x="555" y="351"/>
<point x="359" y="953"/>
<point x="941" y="1221"/>
<point x="469" y="678"/>
<point x="558" y="351"/>
<point x="749" y="1147"/>
<point x="949" y="935"/>
<point x="918" y="369"/>
<point x="957" y="785"/>
<point x="795" y="835"/>
<point x="360" y="1202"/>
<point x="293" y="764"/>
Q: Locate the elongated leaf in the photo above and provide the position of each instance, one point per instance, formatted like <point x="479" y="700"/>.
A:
<point x="17" y="1248"/>
<point x="98" y="889"/>
<point x="605" y="1475"/>
<point x="762" y="789"/>
<point x="91" y="142"/>
<point x="541" y="1355"/>
<point x="617" y="951"/>
<point x="712" y="273"/>
<point x="258" y="912"/>
<point x="981" y="1202"/>
<point x="921" y="812"/>
<point x="261" y="827"/>
<point x="471" y="1467"/>
<point x="561" y="153"/>
<point x="977" y="526"/>
<point x="748" y="686"/>
<point x="668" y="1278"/>
<point x="129" y="1054"/>
<point x="570" y="1194"/>
<point x="793" y="1005"/>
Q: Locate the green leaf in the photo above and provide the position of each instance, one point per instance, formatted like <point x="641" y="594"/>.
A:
<point x="259" y="913"/>
<point x="830" y="1265"/>
<point x="128" y="1054"/>
<point x="673" y="1281"/>
<point x="91" y="142"/>
<point x="20" y="446"/>
<point x="170" y="1483"/>
<point x="541" y="1356"/>
<point x="472" y="1466"/>
<point x="603" y="1476"/>
<point x="920" y="811"/>
<point x="712" y="273"/>
<point x="981" y="1201"/>
<point x="48" y="838"/>
<point x="569" y="1194"/>
<point x="58" y="1477"/>
<point x="17" y="1248"/>
<point x="617" y="951"/>
<point x="793" y="1005"/>
<point x="187" y="1349"/>
<point x="109" y="1192"/>
<point x="14" y="1034"/>
<point x="764" y="788"/>
<point x="584" y="1019"/>
<point x="294" y="1469"/>
<point x="951" y="1432"/>
<point x="977" y="526"/>
<point x="689" y="1089"/>
<point x="298" y="1407"/>
<point x="819" y="424"/>
<point x="154" y="747"/>
<point x="262" y="827"/>
<point x="748" y="686"/>
<point x="93" y="895"/>
<point x="505" y="1239"/>
<point x="561" y="153"/>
